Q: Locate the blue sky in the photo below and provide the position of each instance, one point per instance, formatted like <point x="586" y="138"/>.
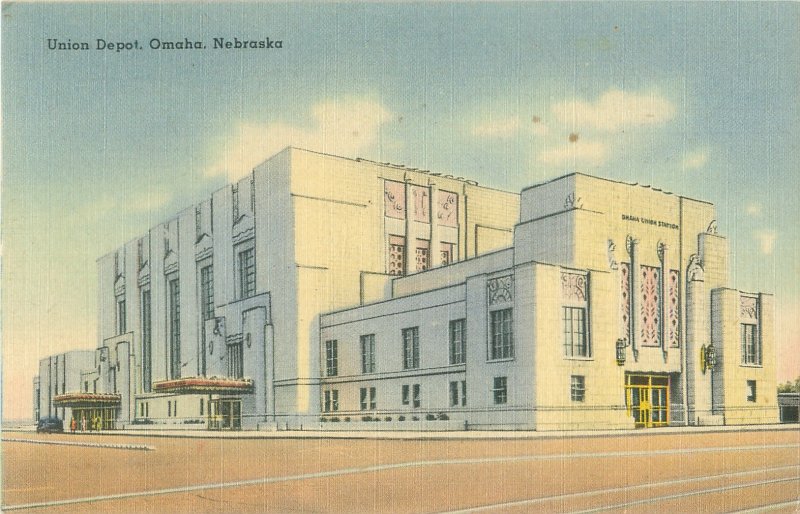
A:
<point x="699" y="99"/>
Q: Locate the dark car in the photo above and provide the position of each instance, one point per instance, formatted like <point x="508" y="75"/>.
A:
<point x="50" y="425"/>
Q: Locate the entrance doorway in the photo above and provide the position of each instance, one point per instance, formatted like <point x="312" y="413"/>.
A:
<point x="225" y="414"/>
<point x="106" y="415"/>
<point x="647" y="399"/>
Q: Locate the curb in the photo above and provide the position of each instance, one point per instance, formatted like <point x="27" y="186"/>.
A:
<point x="87" y="444"/>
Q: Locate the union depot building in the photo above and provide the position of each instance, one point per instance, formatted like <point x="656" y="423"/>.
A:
<point x="325" y="292"/>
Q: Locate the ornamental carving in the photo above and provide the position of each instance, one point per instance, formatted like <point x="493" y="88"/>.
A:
<point x="694" y="271"/>
<point x="712" y="227"/>
<point x="500" y="290"/>
<point x="394" y="199"/>
<point x="661" y="250"/>
<point x="630" y="244"/>
<point x="748" y="307"/>
<point x="447" y="204"/>
<point x="625" y="299"/>
<point x="612" y="260"/>
<point x="674" y="307"/>
<point x="573" y="287"/>
<point x="573" y="202"/>
<point x="421" y="197"/>
<point x="651" y="305"/>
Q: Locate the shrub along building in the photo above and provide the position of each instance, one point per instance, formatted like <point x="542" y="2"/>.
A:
<point x="323" y="289"/>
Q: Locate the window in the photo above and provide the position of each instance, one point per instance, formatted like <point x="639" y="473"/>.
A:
<point x="502" y="334"/>
<point x="577" y="388"/>
<point x="331" y="401"/>
<point x="575" y="341"/>
<point x="500" y="390"/>
<point x="146" y="343"/>
<point x="397" y="251"/>
<point x="368" y="400"/>
<point x="207" y="292"/>
<point x="235" y="359"/>
<point x="751" y="345"/>
<point x="751" y="390"/>
<point x="368" y="353"/>
<point x="121" y="325"/>
<point x="406" y="394"/>
<point x="446" y="253"/>
<point x="331" y="358"/>
<point x="201" y="406"/>
<point x="454" y="394"/>
<point x="458" y="341"/>
<point x="141" y="409"/>
<point x="423" y="254"/>
<point x="247" y="272"/>
<point x="416" y="393"/>
<point x="169" y="409"/>
<point x="174" y="328"/>
<point x="411" y="348"/>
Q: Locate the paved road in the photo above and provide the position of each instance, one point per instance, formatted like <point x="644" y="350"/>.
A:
<point x="667" y="472"/>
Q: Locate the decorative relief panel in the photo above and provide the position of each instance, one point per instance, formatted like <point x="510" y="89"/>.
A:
<point x="625" y="299"/>
<point x="573" y="287"/>
<point x="394" y="199"/>
<point x="447" y="204"/>
<point x="748" y="307"/>
<point x="500" y="290"/>
<point x="421" y="198"/>
<point x="674" y="308"/>
<point x="651" y="305"/>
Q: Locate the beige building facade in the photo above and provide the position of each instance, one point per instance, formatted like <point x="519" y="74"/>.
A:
<point x="612" y="309"/>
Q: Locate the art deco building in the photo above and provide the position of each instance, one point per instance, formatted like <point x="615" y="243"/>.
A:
<point x="327" y="292"/>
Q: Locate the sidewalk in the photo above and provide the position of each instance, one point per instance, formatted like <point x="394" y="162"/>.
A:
<point x="426" y="435"/>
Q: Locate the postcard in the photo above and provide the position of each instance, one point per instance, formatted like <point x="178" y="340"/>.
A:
<point x="400" y="257"/>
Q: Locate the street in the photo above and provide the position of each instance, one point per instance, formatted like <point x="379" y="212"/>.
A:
<point x="726" y="471"/>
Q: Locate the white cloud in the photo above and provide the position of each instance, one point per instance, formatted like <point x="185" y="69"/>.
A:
<point x="501" y="128"/>
<point x="347" y="127"/>
<point x="766" y="239"/>
<point x="695" y="160"/>
<point x="754" y="209"/>
<point x="615" y="110"/>
<point x="592" y="153"/>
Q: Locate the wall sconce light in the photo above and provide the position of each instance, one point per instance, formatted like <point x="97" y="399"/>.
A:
<point x="708" y="357"/>
<point x="622" y="344"/>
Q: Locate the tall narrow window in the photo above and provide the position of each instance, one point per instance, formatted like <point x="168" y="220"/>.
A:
<point x="751" y="346"/>
<point x="207" y="291"/>
<point x="502" y="342"/>
<point x="411" y="348"/>
<point x="575" y="340"/>
<point x="751" y="390"/>
<point x="406" y="393"/>
<point x="368" y="353"/>
<point x="423" y="254"/>
<point x="121" y="324"/>
<point x="415" y="391"/>
<point x="247" y="272"/>
<point x="577" y="388"/>
<point x="174" y="328"/>
<point x="397" y="252"/>
<point x="331" y="358"/>
<point x="235" y="359"/>
<point x="147" y="335"/>
<point x="458" y="341"/>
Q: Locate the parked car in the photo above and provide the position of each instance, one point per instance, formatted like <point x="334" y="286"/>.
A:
<point x="49" y="425"/>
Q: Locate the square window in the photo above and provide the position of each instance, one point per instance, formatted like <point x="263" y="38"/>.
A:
<point x="577" y="388"/>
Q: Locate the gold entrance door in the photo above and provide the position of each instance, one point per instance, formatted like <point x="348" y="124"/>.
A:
<point x="225" y="414"/>
<point x="647" y="399"/>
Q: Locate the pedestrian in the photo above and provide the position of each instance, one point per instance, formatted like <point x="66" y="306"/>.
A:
<point x="73" y="425"/>
<point x="98" y="424"/>
<point x="83" y="423"/>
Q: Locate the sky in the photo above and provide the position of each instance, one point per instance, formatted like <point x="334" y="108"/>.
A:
<point x="97" y="145"/>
